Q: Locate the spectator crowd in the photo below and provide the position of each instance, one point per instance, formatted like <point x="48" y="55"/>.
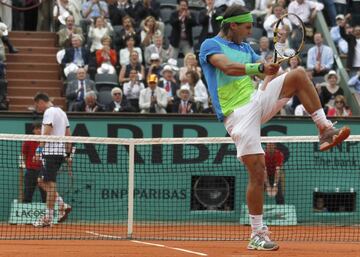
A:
<point x="141" y="55"/>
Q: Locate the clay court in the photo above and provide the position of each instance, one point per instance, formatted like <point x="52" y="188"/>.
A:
<point x="107" y="241"/>
<point x="101" y="248"/>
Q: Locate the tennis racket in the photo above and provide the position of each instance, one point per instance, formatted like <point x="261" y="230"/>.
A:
<point x="289" y="37"/>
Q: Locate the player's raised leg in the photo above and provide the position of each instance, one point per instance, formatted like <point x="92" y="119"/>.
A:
<point x="297" y="83"/>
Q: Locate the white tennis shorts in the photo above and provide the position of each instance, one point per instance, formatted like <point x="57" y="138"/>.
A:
<point x="244" y="124"/>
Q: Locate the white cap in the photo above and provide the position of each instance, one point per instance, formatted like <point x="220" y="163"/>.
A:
<point x="340" y="16"/>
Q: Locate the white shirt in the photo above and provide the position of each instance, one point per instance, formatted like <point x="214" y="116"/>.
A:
<point x="201" y="94"/>
<point x="304" y="10"/>
<point x="57" y="118"/>
<point x="145" y="100"/>
<point x="124" y="55"/>
<point x="96" y="34"/>
<point x="133" y="92"/>
<point x="356" y="62"/>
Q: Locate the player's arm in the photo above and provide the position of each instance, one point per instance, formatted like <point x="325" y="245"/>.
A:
<point x="68" y="145"/>
<point x="230" y="68"/>
<point x="47" y="131"/>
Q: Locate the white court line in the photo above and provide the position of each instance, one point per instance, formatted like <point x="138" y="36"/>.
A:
<point x="168" y="247"/>
<point x="146" y="243"/>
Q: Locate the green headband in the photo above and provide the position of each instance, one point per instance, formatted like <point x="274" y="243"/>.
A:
<point x="242" y="18"/>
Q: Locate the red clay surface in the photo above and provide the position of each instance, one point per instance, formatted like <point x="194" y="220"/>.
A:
<point x="295" y="241"/>
<point x="99" y="248"/>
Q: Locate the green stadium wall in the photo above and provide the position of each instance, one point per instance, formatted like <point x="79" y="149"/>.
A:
<point x="101" y="181"/>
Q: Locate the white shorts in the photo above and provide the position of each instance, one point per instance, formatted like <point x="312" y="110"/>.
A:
<point x="244" y="124"/>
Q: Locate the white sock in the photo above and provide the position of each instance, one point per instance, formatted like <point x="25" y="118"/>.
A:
<point x="49" y="214"/>
<point x="59" y="201"/>
<point x="320" y="119"/>
<point x="256" y="221"/>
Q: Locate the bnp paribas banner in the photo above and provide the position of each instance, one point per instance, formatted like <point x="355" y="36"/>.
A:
<point x="189" y="183"/>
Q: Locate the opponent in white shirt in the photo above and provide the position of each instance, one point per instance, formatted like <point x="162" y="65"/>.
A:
<point x="53" y="154"/>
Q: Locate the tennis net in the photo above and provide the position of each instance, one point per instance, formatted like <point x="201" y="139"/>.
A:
<point x="184" y="189"/>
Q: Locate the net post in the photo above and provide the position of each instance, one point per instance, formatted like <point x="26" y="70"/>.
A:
<point x="131" y="190"/>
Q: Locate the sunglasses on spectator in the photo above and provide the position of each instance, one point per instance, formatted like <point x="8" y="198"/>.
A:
<point x="117" y="93"/>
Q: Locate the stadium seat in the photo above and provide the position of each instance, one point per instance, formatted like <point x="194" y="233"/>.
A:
<point x="104" y="97"/>
<point x="169" y="2"/>
<point x="165" y="13"/>
<point x="106" y="81"/>
<point x="257" y="33"/>
<point x="116" y="39"/>
<point x="318" y="79"/>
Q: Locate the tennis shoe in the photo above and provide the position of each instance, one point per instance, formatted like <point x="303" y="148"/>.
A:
<point x="42" y="222"/>
<point x="64" y="212"/>
<point x="332" y="137"/>
<point x="260" y="240"/>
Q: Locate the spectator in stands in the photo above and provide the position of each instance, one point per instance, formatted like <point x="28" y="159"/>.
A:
<point x="274" y="160"/>
<point x="353" y="40"/>
<point x="169" y="83"/>
<point x="65" y="34"/>
<point x="305" y="9"/>
<point x="127" y="31"/>
<point x="320" y="58"/>
<point x="199" y="91"/>
<point x="329" y="90"/>
<point x="340" y="108"/>
<point x="62" y="9"/>
<point x="5" y="37"/>
<point x="134" y="64"/>
<point x="119" y="102"/>
<point x="124" y="54"/>
<point x="76" y="56"/>
<point x="106" y="57"/>
<point x="94" y="8"/>
<point x="300" y="111"/>
<point x="183" y="104"/>
<point x="77" y="89"/>
<point x="155" y="66"/>
<point x="270" y="21"/>
<point x="153" y="99"/>
<point x="207" y="20"/>
<point x="132" y="89"/>
<point x="150" y="30"/>
<point x="320" y="205"/>
<point x="294" y="101"/>
<point x="190" y="63"/>
<point x="330" y="12"/>
<point x="6" y="13"/>
<point x="91" y="104"/>
<point x="33" y="167"/>
<point x="2" y="53"/>
<point x="158" y="47"/>
<point x="336" y="37"/>
<point x="355" y="82"/>
<point x="264" y="47"/>
<point x="145" y="8"/>
<point x="340" y="6"/>
<point x="97" y="31"/>
<point x="262" y="8"/>
<point x="119" y="9"/>
<point x="182" y="21"/>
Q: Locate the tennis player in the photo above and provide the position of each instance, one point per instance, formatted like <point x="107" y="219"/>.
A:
<point x="228" y="64"/>
<point x="55" y="122"/>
